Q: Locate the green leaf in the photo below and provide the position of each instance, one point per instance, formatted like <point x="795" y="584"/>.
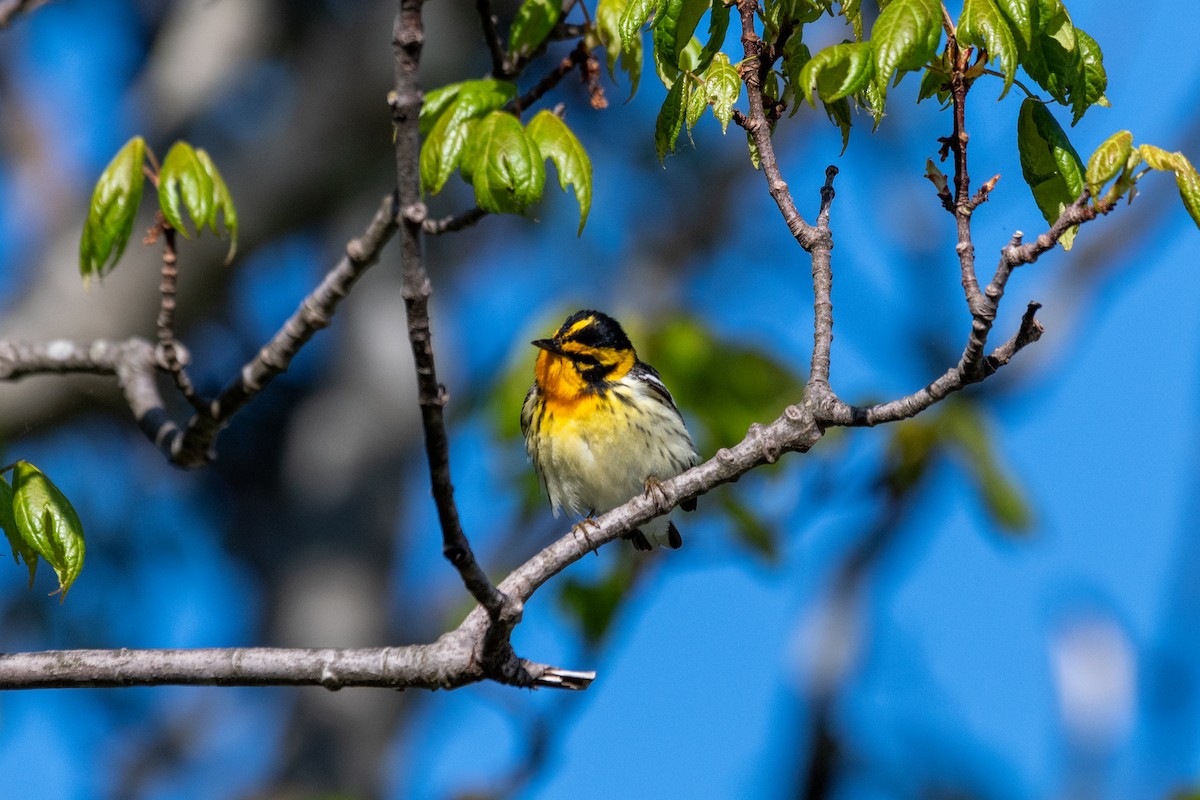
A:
<point x="1189" y="188"/>
<point x="904" y="38"/>
<point x="507" y="169"/>
<point x="20" y="549"/>
<point x="1049" y="163"/>
<point x="982" y="25"/>
<point x="634" y="17"/>
<point x="112" y="211"/>
<point x="723" y="85"/>
<point x="183" y="177"/>
<point x="670" y="119"/>
<point x="1093" y="80"/>
<point x="48" y="523"/>
<point x="1108" y="161"/>
<point x="674" y="25"/>
<point x="556" y="142"/>
<point x="443" y="148"/>
<point x="836" y="72"/>
<point x="626" y="52"/>
<point x="222" y="204"/>
<point x="795" y="55"/>
<point x="1053" y="58"/>
<point x="1019" y="14"/>
<point x="532" y="24"/>
<point x="839" y="114"/>
<point x="852" y="11"/>
<point x="718" y="25"/>
<point x="435" y="104"/>
<point x="935" y="81"/>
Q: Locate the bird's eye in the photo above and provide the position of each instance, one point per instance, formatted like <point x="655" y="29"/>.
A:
<point x="587" y="361"/>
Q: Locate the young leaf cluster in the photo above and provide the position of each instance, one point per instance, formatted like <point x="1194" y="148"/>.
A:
<point x="188" y="179"/>
<point x="467" y="129"/>
<point x="39" y="521"/>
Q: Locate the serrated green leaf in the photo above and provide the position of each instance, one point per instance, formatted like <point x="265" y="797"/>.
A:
<point x="982" y="25"/>
<point x="723" y="85"/>
<point x="904" y="37"/>
<point x="1019" y="14"/>
<point x="1049" y="163"/>
<point x="627" y="53"/>
<point x="47" y="522"/>
<point x="1108" y="161"/>
<point x="852" y="11"/>
<point x="1093" y="80"/>
<point x="507" y="170"/>
<point x="531" y="25"/>
<point x="935" y="81"/>
<point x="1189" y="188"/>
<point x="443" y="148"/>
<point x="556" y="142"/>
<point x="183" y="178"/>
<point x="634" y="16"/>
<point x="836" y="72"/>
<point x="112" y="211"/>
<point x="670" y="119"/>
<point x="697" y="101"/>
<point x="20" y="549"/>
<point x="222" y="204"/>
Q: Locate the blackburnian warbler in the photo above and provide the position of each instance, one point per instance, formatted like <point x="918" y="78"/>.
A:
<point x="600" y="426"/>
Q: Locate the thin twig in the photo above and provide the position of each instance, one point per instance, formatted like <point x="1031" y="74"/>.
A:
<point x="576" y="57"/>
<point x="408" y="39"/>
<point x="822" y="278"/>
<point x="456" y="222"/>
<point x="170" y="355"/>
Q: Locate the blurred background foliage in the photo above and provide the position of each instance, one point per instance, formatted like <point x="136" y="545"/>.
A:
<point x="996" y="599"/>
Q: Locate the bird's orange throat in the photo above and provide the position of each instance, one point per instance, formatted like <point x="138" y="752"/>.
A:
<point x="559" y="381"/>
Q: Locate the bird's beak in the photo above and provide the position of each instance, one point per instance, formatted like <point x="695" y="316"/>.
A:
<point x="548" y="344"/>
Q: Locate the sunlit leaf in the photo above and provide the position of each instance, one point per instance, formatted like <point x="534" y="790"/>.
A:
<point x="723" y="85"/>
<point x="1049" y="163"/>
<point x="1189" y="188"/>
<point x="1093" y="80"/>
<point x="634" y="16"/>
<point x="1108" y="161"/>
<point x="1019" y="14"/>
<point x="48" y="523"/>
<point x="112" y="211"/>
<point x="556" y="142"/>
<point x="904" y="38"/>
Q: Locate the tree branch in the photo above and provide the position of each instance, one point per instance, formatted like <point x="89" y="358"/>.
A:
<point x="501" y="67"/>
<point x="14" y="8"/>
<point x="408" y="38"/>
<point x="573" y="59"/>
<point x="759" y="129"/>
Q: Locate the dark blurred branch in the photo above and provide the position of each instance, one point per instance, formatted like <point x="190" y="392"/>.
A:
<point x="573" y="59"/>
<point x="501" y="67"/>
<point x="14" y="8"/>
<point x="456" y="222"/>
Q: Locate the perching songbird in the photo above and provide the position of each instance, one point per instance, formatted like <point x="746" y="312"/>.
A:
<point x="600" y="425"/>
